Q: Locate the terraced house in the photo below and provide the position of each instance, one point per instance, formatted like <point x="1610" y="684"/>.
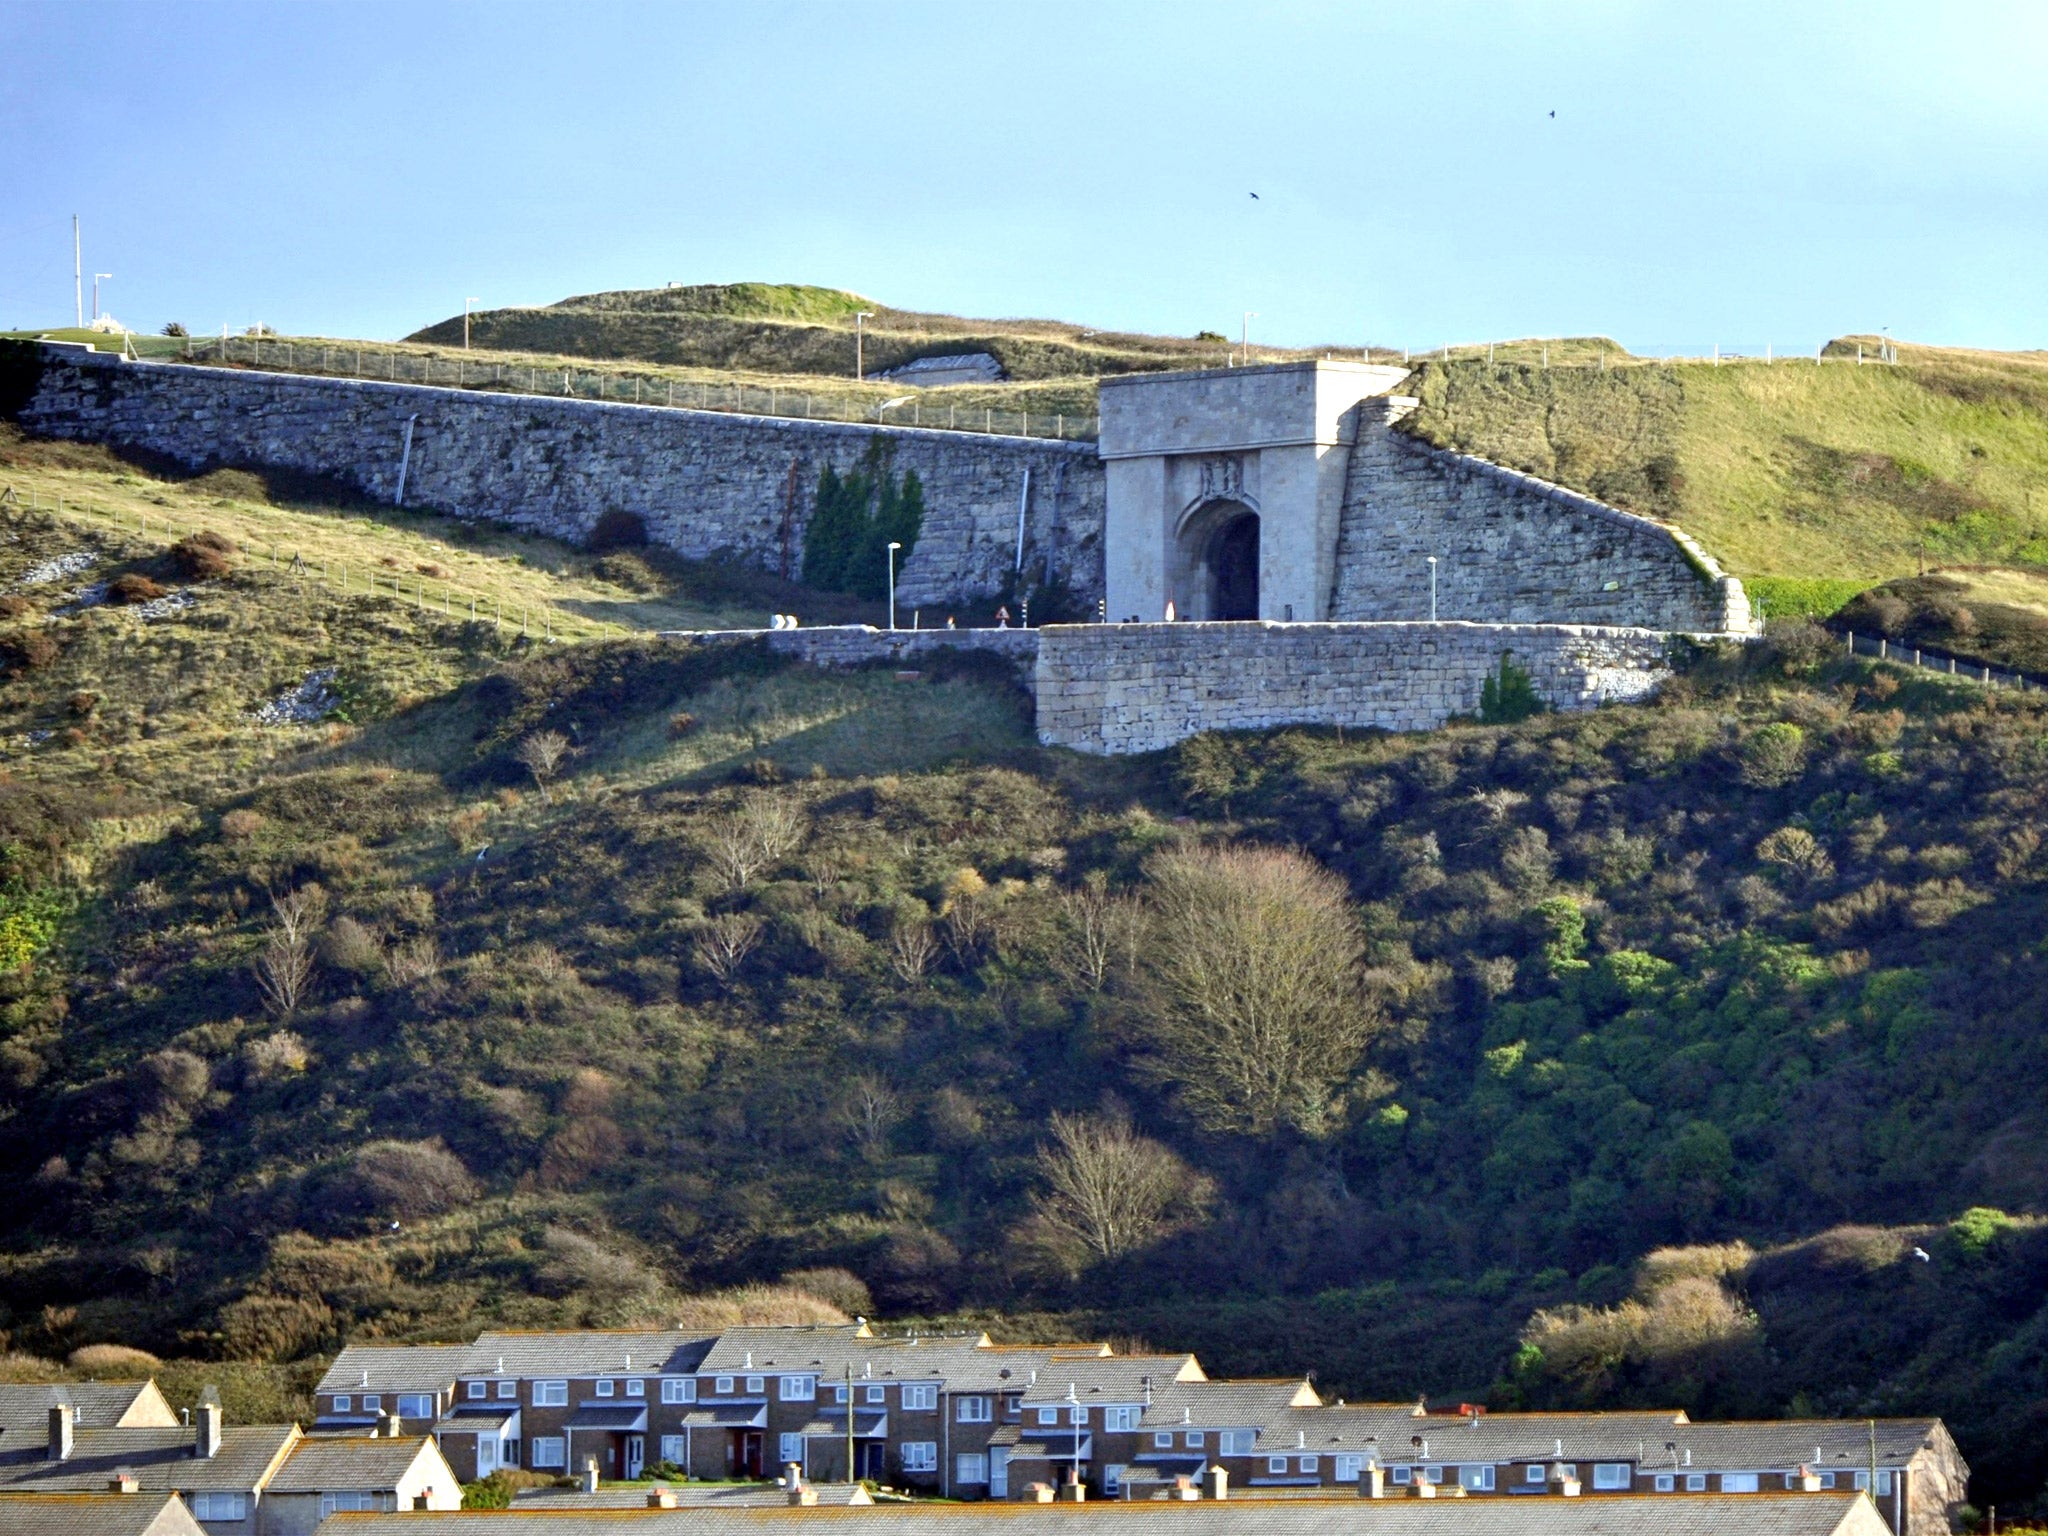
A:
<point x="965" y="1418"/>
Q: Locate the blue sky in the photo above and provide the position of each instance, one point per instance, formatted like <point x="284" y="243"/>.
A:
<point x="1719" y="172"/>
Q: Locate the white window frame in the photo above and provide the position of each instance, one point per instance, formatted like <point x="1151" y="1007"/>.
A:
<point x="220" y="1506"/>
<point x="1113" y="1479"/>
<point x="1307" y="1464"/>
<point x="1162" y="1439"/>
<point x="672" y="1450"/>
<point x="550" y="1451"/>
<point x="791" y="1446"/>
<point x="1613" y="1477"/>
<point x="679" y="1389"/>
<point x="1695" y="1482"/>
<point x="342" y="1401"/>
<point x="1276" y="1466"/>
<point x="971" y="1467"/>
<point x="1667" y="1482"/>
<point x="757" y="1386"/>
<point x="918" y="1397"/>
<point x="920" y="1456"/>
<point x="551" y="1394"/>
<point x="1403" y="1475"/>
<point x="508" y="1451"/>
<point x="1476" y="1477"/>
<point x="1884" y="1482"/>
<point x="1346" y="1468"/>
<point x="1120" y="1419"/>
<point x="1432" y="1474"/>
<point x="973" y="1409"/>
<point x="1048" y="1415"/>
<point x="372" y="1402"/>
<point x="1078" y="1417"/>
<point x="875" y="1397"/>
<point x="1196" y="1439"/>
<point x="1827" y="1479"/>
<point x="1235" y="1442"/>
<point x="1862" y="1482"/>
<point x="352" y="1501"/>
<point x="799" y="1389"/>
<point x="508" y="1388"/>
<point x="476" y="1391"/>
<point x="1533" y="1473"/>
<point x="839" y="1394"/>
<point x="425" y="1405"/>
<point x="635" y="1387"/>
<point x="605" y="1386"/>
<point x="722" y="1386"/>
<point x="1740" y="1482"/>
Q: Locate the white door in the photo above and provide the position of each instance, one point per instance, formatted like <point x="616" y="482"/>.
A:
<point x="486" y="1455"/>
<point x="999" y="1472"/>
<point x="636" y="1454"/>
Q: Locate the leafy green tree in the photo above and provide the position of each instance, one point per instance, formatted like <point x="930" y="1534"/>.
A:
<point x="1509" y="696"/>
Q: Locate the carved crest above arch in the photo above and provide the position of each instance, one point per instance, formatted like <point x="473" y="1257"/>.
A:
<point x="1223" y="477"/>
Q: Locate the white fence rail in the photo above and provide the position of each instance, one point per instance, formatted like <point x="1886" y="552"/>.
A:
<point x="623" y="388"/>
<point x="1885" y="649"/>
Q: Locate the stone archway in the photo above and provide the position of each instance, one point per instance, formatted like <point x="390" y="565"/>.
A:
<point x="1216" y="575"/>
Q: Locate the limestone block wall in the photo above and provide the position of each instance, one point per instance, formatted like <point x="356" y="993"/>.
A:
<point x="854" y="645"/>
<point x="1113" y="688"/>
<point x="707" y="483"/>
<point x="1510" y="547"/>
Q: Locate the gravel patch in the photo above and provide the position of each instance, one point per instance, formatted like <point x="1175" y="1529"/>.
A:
<point x="308" y="704"/>
<point x="77" y="602"/>
<point x="169" y="606"/>
<point x="77" y="563"/>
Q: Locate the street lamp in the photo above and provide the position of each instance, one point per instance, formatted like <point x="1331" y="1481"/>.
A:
<point x="859" y="315"/>
<point x="893" y="547"/>
<point x="1244" y="349"/>
<point x="465" y="323"/>
<point x="1432" y="589"/>
<point x="96" y="291"/>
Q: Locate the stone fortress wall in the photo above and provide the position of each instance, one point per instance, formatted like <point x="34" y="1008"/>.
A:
<point x="707" y="483"/>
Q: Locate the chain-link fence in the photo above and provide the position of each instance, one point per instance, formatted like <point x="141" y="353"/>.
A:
<point x="618" y="387"/>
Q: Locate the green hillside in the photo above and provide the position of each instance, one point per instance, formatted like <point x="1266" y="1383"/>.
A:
<point x="1786" y="470"/>
<point x="776" y="973"/>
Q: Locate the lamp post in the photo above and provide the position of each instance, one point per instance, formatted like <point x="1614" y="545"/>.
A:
<point x="893" y="547"/>
<point x="1432" y="589"/>
<point x="96" y="291"/>
<point x="859" y="372"/>
<point x="1244" y="348"/>
<point x="465" y="322"/>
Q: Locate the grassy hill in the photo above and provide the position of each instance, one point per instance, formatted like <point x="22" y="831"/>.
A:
<point x="1794" y="472"/>
<point x="785" y="974"/>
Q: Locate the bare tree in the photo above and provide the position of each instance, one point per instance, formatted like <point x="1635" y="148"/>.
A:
<point x="870" y="1111"/>
<point x="1099" y="931"/>
<point x="1111" y="1188"/>
<point x="1255" y="1008"/>
<point x="541" y="755"/>
<point x="284" y="965"/>
<point x="762" y="830"/>
<point x="723" y="944"/>
<point x="912" y="947"/>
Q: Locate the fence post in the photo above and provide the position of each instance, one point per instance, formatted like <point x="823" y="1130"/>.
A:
<point x="1852" y="642"/>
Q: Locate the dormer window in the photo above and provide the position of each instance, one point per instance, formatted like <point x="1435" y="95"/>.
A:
<point x="475" y="1391"/>
<point x="341" y="1402"/>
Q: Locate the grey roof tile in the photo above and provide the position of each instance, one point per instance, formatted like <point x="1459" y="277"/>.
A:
<point x="324" y="1463"/>
<point x="160" y="1459"/>
<point x="96" y="1514"/>
<point x="25" y="1408"/>
<point x="395" y="1368"/>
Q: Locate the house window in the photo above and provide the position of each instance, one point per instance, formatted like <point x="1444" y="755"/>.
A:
<point x="1113" y="1478"/>
<point x="356" y="1502"/>
<point x="372" y="1402"/>
<point x="1052" y="1416"/>
<point x="636" y="1388"/>
<point x="972" y="1410"/>
<point x="1884" y="1482"/>
<point x="1306" y="1464"/>
<point x="475" y="1390"/>
<point x="1862" y="1480"/>
<point x="1346" y="1469"/>
<point x="341" y="1403"/>
<point x="1667" y="1482"/>
<point x="550" y="1394"/>
<point x="1276" y="1465"/>
<point x="723" y="1386"/>
<point x="1195" y="1438"/>
<point x="1234" y="1442"/>
<point x="1568" y="1470"/>
<point x="1614" y="1476"/>
<point x="1827" y="1479"/>
<point x="1078" y="1415"/>
<point x="416" y="1405"/>
<point x="508" y="1452"/>
<point x="839" y="1394"/>
<point x="1738" y="1482"/>
<point x="1120" y="1418"/>
<point x="1404" y="1476"/>
<point x="756" y="1384"/>
<point x="220" y="1506"/>
<point x="1432" y="1474"/>
<point x="792" y="1448"/>
<point x="684" y="1391"/>
<point x="970" y="1469"/>
<point x="1476" y="1479"/>
<point x="799" y="1389"/>
<point x="1533" y="1473"/>
<point x="550" y="1451"/>
<point x="1013" y="1406"/>
<point x="604" y="1388"/>
<point x="672" y="1448"/>
<point x="920" y="1456"/>
<point x="1695" y="1482"/>
<point x="508" y="1389"/>
<point x="922" y="1397"/>
<point x="875" y="1396"/>
<point x="1162" y="1440"/>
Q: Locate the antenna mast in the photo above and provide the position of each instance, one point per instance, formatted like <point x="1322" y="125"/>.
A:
<point x="77" y="273"/>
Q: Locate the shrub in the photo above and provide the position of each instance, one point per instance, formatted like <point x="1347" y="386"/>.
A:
<point x="1509" y="695"/>
<point x="264" y="1327"/>
<point x="1978" y="1227"/>
<point x="203" y="556"/>
<point x="617" y="530"/>
<point x="175" y="328"/>
<point x="132" y="587"/>
<point x="82" y="704"/>
<point x="411" y="1178"/>
<point x="15" y="606"/>
<point x="839" y="1288"/>
<point x="274" y="1056"/>
<point x="351" y="947"/>
<point x="113" y="1362"/>
<point x="240" y="825"/>
<point x="1774" y="755"/>
<point x="26" y="650"/>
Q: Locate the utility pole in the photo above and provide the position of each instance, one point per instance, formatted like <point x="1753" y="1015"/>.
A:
<point x="849" y="1421"/>
<point x="77" y="273"/>
<point x="893" y="547"/>
<point x="96" y="291"/>
<point x="859" y="371"/>
<point x="1432" y="589"/>
<point x="465" y="323"/>
<point x="1244" y="349"/>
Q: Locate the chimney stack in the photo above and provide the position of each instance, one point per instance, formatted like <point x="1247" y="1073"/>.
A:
<point x="662" y="1498"/>
<point x="590" y="1474"/>
<point x="1372" y="1482"/>
<point x="206" y="1438"/>
<point x="391" y="1425"/>
<point x="63" y="1431"/>
<point x="1216" y="1483"/>
<point x="124" y="1482"/>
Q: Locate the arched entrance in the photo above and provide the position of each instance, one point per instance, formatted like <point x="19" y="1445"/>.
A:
<point x="1233" y="569"/>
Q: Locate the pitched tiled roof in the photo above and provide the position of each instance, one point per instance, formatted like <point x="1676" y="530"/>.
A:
<point x="623" y="1418"/>
<point x="324" y="1463"/>
<point x="395" y="1368"/>
<point x="1394" y="1434"/>
<point x="1225" y="1404"/>
<point x="1827" y="1445"/>
<point x="25" y="1408"/>
<point x="1115" y="1379"/>
<point x="813" y="1347"/>
<point x="1812" y="1514"/>
<point x="593" y="1352"/>
<point x="159" y="1458"/>
<point x="686" y="1495"/>
<point x="96" y="1514"/>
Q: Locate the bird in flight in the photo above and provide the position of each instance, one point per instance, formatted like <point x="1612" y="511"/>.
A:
<point x="1553" y="111"/>
<point x="1255" y="197"/>
<point x="1923" y="1255"/>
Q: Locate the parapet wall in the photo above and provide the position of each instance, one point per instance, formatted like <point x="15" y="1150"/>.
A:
<point x="857" y="645"/>
<point x="1510" y="548"/>
<point x="1113" y="688"/>
<point x="707" y="483"/>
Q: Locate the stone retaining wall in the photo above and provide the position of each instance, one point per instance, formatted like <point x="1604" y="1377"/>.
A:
<point x="707" y="483"/>
<point x="1510" y="548"/>
<point x="1113" y="688"/>
<point x="854" y="645"/>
